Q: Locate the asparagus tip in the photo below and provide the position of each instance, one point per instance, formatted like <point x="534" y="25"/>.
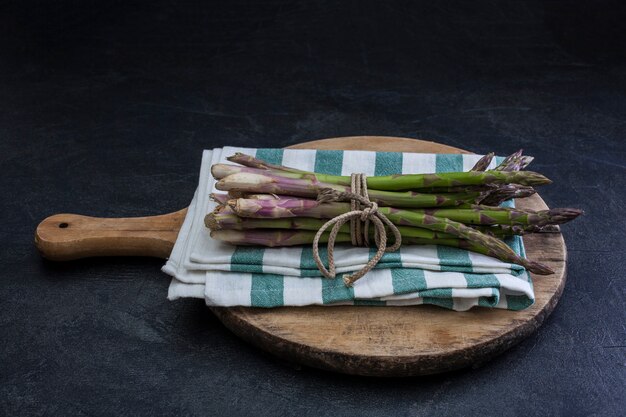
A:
<point x="563" y="215"/>
<point x="535" y="178"/>
<point x="507" y="192"/>
<point x="234" y="157"/>
<point x="483" y="163"/>
<point x="525" y="161"/>
<point x="538" y="268"/>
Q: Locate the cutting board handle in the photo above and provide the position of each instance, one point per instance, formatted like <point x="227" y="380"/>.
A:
<point x="65" y="237"/>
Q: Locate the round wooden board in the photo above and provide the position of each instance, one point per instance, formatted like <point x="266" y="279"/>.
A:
<point x="401" y="341"/>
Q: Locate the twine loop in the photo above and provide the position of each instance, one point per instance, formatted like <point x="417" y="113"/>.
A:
<point x="362" y="213"/>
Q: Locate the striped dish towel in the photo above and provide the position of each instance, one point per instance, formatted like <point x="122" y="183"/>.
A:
<point x="226" y="275"/>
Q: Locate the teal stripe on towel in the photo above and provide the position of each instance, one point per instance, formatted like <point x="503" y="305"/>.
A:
<point x="454" y="257"/>
<point x="334" y="290"/>
<point x="449" y="162"/>
<point x="267" y="290"/>
<point x="490" y="301"/>
<point x="482" y="280"/>
<point x="328" y="162"/>
<point x="388" y="163"/>
<point x="308" y="267"/>
<point x="270" y="155"/>
<point x="518" y="302"/>
<point x="408" y="280"/>
<point x="247" y="259"/>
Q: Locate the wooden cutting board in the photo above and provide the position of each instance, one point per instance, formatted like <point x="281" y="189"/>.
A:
<point x="376" y="341"/>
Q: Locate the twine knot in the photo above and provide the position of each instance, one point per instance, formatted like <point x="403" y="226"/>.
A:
<point x="369" y="211"/>
<point x="362" y="213"/>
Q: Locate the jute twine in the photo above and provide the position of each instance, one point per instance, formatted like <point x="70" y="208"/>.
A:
<point x="362" y="212"/>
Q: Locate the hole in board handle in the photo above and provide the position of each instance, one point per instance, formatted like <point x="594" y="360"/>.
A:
<point x="63" y="225"/>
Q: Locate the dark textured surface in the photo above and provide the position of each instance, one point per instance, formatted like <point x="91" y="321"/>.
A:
<point x="105" y="107"/>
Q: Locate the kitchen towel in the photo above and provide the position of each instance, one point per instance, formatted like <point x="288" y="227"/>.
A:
<point x="226" y="275"/>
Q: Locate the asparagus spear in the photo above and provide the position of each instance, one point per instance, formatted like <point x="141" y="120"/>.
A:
<point x="459" y="189"/>
<point x="483" y="163"/>
<point x="514" y="162"/>
<point x="399" y="182"/>
<point x="276" y="238"/>
<point x="447" y="179"/>
<point x="478" y="207"/>
<point x="267" y="182"/>
<point x="224" y="218"/>
<point x="506" y="163"/>
<point x="479" y="215"/>
<point x="506" y="216"/>
<point x="507" y="192"/>
<point x="510" y="230"/>
<point x="252" y="162"/>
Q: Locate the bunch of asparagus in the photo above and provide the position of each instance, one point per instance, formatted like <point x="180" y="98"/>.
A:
<point x="274" y="205"/>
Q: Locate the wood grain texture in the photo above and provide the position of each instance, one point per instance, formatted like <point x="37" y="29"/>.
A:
<point x="375" y="341"/>
<point x="64" y="237"/>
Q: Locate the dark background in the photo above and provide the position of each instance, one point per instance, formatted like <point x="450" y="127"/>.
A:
<point x="105" y="107"/>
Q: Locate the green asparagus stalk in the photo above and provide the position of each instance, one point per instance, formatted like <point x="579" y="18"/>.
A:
<point x="495" y="193"/>
<point x="278" y="238"/>
<point x="281" y="208"/>
<point x="449" y="179"/>
<point x="502" y="230"/>
<point x="224" y="218"/>
<point x="479" y="207"/>
<point x="398" y="182"/>
<point x="459" y="189"/>
<point x="481" y="165"/>
<point x="253" y="182"/>
<point x="506" y="217"/>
